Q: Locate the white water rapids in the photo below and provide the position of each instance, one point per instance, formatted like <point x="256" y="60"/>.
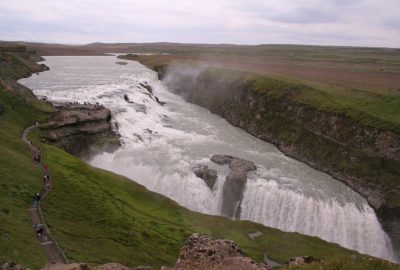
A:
<point x="162" y="144"/>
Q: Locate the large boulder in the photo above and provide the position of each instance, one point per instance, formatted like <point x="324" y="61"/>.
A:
<point x="12" y="266"/>
<point x="208" y="175"/>
<point x="221" y="159"/>
<point x="241" y="165"/>
<point x="232" y="194"/>
<point x="204" y="253"/>
<point x="235" y="164"/>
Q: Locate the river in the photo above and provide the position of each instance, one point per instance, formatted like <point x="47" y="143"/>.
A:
<point x="162" y="144"/>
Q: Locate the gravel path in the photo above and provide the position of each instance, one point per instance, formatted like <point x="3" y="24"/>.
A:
<point x="46" y="240"/>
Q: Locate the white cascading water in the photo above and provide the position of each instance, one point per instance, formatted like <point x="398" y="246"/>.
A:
<point x="162" y="144"/>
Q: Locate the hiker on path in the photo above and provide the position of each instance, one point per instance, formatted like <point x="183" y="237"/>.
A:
<point x="36" y="200"/>
<point x="40" y="232"/>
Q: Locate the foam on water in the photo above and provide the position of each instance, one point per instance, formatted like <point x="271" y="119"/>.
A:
<point x="162" y="144"/>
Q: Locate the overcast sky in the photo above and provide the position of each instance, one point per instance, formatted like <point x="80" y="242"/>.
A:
<point x="324" y="22"/>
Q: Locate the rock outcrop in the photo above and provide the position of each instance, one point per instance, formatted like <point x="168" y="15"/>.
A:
<point x="12" y="266"/>
<point x="235" y="183"/>
<point x="203" y="253"/>
<point x="236" y="164"/>
<point x="208" y="175"/>
<point x="77" y="128"/>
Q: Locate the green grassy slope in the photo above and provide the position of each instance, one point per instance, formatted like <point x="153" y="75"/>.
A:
<point x="373" y="109"/>
<point x="19" y="180"/>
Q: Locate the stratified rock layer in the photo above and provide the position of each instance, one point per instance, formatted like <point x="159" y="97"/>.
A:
<point x="77" y="127"/>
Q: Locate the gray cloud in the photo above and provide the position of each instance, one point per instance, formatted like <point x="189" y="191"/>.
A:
<point x="324" y="22"/>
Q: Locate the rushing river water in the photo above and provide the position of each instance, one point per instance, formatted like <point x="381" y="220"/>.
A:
<point x="162" y="144"/>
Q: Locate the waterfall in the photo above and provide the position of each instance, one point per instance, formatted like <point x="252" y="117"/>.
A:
<point x="162" y="144"/>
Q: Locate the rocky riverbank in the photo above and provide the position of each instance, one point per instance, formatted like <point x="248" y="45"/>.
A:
<point x="364" y="157"/>
<point x="81" y="129"/>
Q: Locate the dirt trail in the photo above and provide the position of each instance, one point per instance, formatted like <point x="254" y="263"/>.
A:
<point x="46" y="240"/>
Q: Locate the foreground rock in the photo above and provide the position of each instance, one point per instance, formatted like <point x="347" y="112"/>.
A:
<point x="233" y="189"/>
<point x="204" y="253"/>
<point x="208" y="175"/>
<point x="12" y="266"/>
<point x="77" y="128"/>
<point x="84" y="266"/>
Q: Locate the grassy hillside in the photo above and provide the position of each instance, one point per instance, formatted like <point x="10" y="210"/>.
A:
<point x="19" y="180"/>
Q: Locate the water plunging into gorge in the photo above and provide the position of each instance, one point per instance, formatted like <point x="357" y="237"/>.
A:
<point x="162" y="144"/>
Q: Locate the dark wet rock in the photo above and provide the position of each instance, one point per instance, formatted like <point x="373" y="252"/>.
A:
<point x="12" y="266"/>
<point x="208" y="175"/>
<point x="221" y="159"/>
<point x="121" y="63"/>
<point x="302" y="260"/>
<point x="232" y="194"/>
<point x="241" y="165"/>
<point x="162" y="103"/>
<point x="43" y="67"/>
<point x="235" y="164"/>
<point x="126" y="98"/>
<point x="203" y="253"/>
<point x="147" y="87"/>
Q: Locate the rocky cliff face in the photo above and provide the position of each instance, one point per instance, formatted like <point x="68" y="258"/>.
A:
<point x="80" y="129"/>
<point x="17" y="62"/>
<point x="365" y="158"/>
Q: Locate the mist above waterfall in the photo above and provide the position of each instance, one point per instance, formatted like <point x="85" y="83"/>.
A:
<point x="162" y="144"/>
